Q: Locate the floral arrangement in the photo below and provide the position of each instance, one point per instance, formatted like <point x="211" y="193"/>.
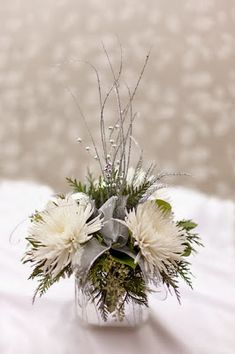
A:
<point x="116" y="233"/>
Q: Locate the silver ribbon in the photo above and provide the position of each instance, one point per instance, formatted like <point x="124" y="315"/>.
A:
<point x="113" y="231"/>
<point x="85" y="257"/>
<point x="114" y="234"/>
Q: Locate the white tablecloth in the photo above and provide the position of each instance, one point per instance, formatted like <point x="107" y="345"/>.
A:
<point x="204" y="323"/>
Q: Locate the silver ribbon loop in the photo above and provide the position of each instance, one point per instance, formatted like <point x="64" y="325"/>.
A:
<point x="113" y="231"/>
<point x="115" y="235"/>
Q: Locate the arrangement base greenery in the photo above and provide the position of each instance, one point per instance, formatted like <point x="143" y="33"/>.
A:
<point x="89" y="314"/>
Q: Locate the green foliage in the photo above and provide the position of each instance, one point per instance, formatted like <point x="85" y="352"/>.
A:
<point x="112" y="284"/>
<point x="170" y="278"/>
<point x="187" y="225"/>
<point x="46" y="280"/>
<point x="183" y="269"/>
<point x="78" y="187"/>
<point x="193" y="239"/>
<point x="123" y="258"/>
<point x="102" y="190"/>
<point x="33" y="243"/>
<point x="96" y="191"/>
<point x="36" y="217"/>
<point x="163" y="205"/>
<point x="135" y="194"/>
<point x="188" y="250"/>
<point x="136" y="289"/>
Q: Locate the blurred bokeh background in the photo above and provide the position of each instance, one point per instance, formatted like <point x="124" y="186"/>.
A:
<point x="186" y="100"/>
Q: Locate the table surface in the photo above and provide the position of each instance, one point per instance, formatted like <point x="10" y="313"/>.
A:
<point x="204" y="323"/>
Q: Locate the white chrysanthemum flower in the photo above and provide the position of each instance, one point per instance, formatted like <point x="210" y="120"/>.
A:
<point x="63" y="228"/>
<point x="158" y="237"/>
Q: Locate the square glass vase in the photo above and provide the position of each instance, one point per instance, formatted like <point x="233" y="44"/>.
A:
<point x="89" y="315"/>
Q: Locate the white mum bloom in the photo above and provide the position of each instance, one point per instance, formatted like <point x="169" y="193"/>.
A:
<point x="63" y="228"/>
<point x="156" y="234"/>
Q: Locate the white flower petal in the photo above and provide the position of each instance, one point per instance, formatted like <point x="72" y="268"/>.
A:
<point x="82" y="198"/>
<point x="158" y="237"/>
<point x="61" y="232"/>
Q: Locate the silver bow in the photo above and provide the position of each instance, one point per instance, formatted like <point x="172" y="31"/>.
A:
<point x="113" y="231"/>
<point x="115" y="235"/>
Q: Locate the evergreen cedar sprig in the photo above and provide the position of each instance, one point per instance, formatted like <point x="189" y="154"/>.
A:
<point x="45" y="281"/>
<point x="113" y="284"/>
<point x="182" y="269"/>
<point x="100" y="193"/>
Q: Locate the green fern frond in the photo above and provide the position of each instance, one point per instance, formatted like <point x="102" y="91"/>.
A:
<point x="76" y="185"/>
<point x="46" y="280"/>
<point x="135" y="194"/>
